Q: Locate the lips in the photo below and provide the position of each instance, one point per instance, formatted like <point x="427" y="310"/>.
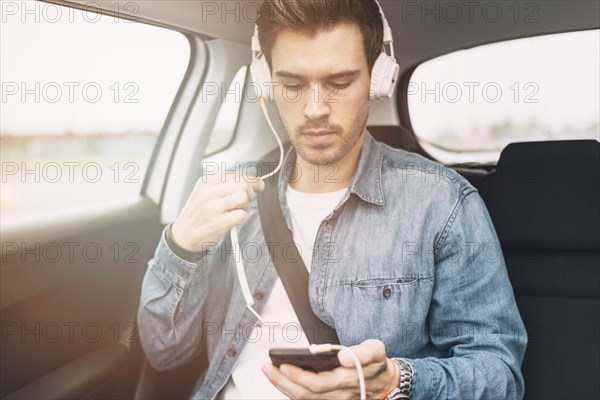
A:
<point x="319" y="137"/>
<point x="318" y="133"/>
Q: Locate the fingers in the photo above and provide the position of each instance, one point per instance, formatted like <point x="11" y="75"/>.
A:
<point x="296" y="383"/>
<point x="321" y="382"/>
<point x="233" y="218"/>
<point x="259" y="185"/>
<point x="255" y="181"/>
<point x="285" y="385"/>
<point x="235" y="200"/>
<point x="214" y="207"/>
<point x="341" y="382"/>
<point x="368" y="352"/>
<point x="223" y="189"/>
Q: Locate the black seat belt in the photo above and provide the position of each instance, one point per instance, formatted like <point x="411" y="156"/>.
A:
<point x="294" y="275"/>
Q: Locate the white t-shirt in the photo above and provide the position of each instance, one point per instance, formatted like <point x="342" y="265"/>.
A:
<point x="281" y="329"/>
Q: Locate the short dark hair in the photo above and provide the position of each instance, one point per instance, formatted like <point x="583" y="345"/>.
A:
<point x="312" y="16"/>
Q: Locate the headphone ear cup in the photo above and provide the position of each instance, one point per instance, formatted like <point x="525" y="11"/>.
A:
<point x="261" y="74"/>
<point x="383" y="77"/>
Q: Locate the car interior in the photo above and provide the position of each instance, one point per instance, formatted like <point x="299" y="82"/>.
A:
<point x="543" y="197"/>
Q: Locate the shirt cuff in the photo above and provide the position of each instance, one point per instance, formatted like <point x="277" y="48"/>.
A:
<point x="175" y="269"/>
<point x="425" y="383"/>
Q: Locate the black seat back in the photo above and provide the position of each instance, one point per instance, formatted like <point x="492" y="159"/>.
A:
<point x="544" y="199"/>
<point x="397" y="137"/>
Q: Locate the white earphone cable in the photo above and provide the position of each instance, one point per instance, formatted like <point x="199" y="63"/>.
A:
<point x="239" y="263"/>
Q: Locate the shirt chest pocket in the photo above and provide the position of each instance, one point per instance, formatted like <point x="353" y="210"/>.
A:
<point x="382" y="289"/>
<point x="377" y="306"/>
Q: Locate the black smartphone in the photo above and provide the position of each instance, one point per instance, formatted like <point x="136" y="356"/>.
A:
<point x="304" y="359"/>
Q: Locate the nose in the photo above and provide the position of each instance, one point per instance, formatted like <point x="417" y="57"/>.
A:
<point x="316" y="106"/>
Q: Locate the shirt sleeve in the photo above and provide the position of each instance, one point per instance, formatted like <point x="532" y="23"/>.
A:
<point x="170" y="313"/>
<point x="473" y="318"/>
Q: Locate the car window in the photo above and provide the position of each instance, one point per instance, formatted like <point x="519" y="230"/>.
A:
<point x="479" y="100"/>
<point x="231" y="101"/>
<point x="84" y="97"/>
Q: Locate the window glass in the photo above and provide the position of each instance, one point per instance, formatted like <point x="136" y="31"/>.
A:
<point x="231" y="101"/>
<point x="84" y="97"/>
<point x="481" y="99"/>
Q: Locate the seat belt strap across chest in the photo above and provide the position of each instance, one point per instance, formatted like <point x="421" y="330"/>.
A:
<point x="293" y="274"/>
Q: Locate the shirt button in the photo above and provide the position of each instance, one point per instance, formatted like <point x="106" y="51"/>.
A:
<point x="259" y="295"/>
<point x="387" y="292"/>
<point x="185" y="274"/>
<point x="231" y="352"/>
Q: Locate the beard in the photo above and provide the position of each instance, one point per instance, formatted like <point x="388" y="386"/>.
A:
<point x="327" y="153"/>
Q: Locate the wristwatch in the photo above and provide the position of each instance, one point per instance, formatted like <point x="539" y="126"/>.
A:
<point x="404" y="389"/>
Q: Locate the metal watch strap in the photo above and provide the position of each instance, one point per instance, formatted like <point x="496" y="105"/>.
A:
<point x="404" y="389"/>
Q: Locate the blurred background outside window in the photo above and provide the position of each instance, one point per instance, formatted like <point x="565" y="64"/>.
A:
<point x="84" y="97"/>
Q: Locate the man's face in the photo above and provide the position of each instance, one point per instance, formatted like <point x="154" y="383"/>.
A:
<point x="322" y="91"/>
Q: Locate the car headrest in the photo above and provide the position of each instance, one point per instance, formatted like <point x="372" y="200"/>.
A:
<point x="546" y="195"/>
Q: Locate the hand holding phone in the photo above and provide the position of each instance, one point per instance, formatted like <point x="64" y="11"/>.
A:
<point x="303" y="358"/>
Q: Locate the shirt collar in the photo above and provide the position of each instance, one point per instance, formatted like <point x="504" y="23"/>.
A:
<point x="366" y="182"/>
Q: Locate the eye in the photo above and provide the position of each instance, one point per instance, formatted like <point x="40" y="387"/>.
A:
<point x="292" y="86"/>
<point x="337" y="85"/>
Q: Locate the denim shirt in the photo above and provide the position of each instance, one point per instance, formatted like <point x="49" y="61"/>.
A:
<point x="409" y="256"/>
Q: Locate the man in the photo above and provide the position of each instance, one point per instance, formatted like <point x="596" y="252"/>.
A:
<point x="403" y="258"/>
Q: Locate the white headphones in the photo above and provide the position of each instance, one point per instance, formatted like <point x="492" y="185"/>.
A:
<point x="383" y="76"/>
